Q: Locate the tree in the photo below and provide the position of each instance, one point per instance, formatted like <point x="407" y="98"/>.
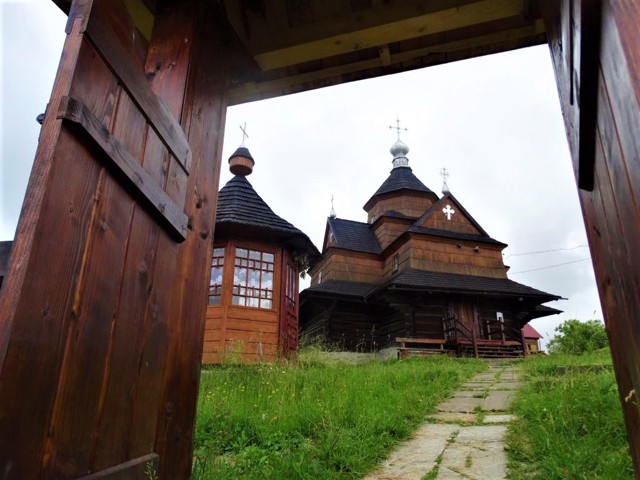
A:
<point x="576" y="337"/>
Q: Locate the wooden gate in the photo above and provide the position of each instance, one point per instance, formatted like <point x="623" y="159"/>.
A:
<point x="103" y="309"/>
<point x="594" y="45"/>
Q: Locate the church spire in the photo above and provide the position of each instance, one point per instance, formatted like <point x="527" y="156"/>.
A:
<point x="399" y="149"/>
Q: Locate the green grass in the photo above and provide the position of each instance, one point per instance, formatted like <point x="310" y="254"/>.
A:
<point x="570" y="425"/>
<point x="315" y="420"/>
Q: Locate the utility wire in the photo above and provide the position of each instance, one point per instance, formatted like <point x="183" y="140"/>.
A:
<point x="551" y="266"/>
<point x="545" y="251"/>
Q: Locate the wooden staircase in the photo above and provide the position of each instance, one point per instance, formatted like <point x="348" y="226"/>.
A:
<point x="490" y="349"/>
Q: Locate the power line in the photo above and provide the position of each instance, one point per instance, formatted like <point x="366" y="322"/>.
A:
<point x="551" y="266"/>
<point x="545" y="251"/>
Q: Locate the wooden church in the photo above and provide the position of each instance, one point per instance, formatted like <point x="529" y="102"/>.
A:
<point x="420" y="270"/>
<point x="252" y="312"/>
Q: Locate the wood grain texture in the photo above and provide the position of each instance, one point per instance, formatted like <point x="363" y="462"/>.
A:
<point x="204" y="112"/>
<point x="130" y="74"/>
<point x="175" y="219"/>
<point x="611" y="209"/>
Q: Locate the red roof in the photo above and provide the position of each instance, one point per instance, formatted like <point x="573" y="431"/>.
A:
<point x="530" y="332"/>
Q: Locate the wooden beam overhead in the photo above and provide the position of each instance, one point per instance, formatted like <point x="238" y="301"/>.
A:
<point x="257" y="90"/>
<point x="405" y="29"/>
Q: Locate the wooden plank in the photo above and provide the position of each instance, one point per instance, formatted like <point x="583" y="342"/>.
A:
<point x="167" y="65"/>
<point x="204" y="112"/>
<point x="174" y="218"/>
<point x="44" y="312"/>
<point x="156" y="110"/>
<point x="89" y="338"/>
<point x="412" y="27"/>
<point x="142" y="467"/>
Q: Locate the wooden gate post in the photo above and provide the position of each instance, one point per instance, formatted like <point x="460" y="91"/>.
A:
<point x="102" y="310"/>
<point x="595" y="50"/>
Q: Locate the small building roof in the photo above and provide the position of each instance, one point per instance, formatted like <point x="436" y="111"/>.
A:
<point x="529" y="332"/>
<point x="240" y="205"/>
<point x="355" y="236"/>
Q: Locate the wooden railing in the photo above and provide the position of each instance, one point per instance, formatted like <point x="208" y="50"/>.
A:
<point x="502" y="329"/>
<point x="453" y="330"/>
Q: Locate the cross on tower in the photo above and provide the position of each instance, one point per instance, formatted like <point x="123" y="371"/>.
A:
<point x="397" y="128"/>
<point x="444" y="173"/>
<point x="245" y="135"/>
<point x="448" y="211"/>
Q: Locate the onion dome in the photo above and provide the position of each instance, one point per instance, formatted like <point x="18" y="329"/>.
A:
<point x="399" y="151"/>
<point x="241" y="162"/>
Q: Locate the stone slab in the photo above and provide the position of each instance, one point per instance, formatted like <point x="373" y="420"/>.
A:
<point x="483" y="461"/>
<point x="469" y="393"/>
<point x="455" y="417"/>
<point x="460" y="405"/>
<point x="506" y="418"/>
<point x="481" y="434"/>
<point x="497" y="401"/>
<point x="412" y="460"/>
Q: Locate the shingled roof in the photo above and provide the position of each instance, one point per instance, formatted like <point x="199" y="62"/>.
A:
<point x="239" y="204"/>
<point x="356" y="236"/>
<point x="456" y="235"/>
<point x="400" y="179"/>
<point x="452" y="282"/>
<point x="340" y="287"/>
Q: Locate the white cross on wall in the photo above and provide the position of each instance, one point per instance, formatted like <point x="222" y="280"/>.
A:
<point x="448" y="211"/>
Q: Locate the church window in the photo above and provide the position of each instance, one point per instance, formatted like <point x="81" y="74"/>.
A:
<point x="320" y="276"/>
<point x="253" y="278"/>
<point x="395" y="263"/>
<point x="215" y="281"/>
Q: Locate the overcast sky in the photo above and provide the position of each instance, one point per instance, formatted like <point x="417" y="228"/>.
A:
<point x="494" y="122"/>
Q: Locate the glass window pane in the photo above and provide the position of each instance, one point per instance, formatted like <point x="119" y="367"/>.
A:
<point x="267" y="257"/>
<point x="241" y="252"/>
<point x="254" y="278"/>
<point x="240" y="276"/>
<point x="252" y="302"/>
<point x="216" y="276"/>
<point x="266" y="303"/>
<point x="254" y="255"/>
<point x="271" y="267"/>
<point x="214" y="300"/>
<point x="218" y="252"/>
<point x="243" y="262"/>
<point x="238" y="300"/>
<point x="267" y="281"/>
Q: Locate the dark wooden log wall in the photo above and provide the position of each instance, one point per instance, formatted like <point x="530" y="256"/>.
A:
<point x="103" y="310"/>
<point x="594" y="46"/>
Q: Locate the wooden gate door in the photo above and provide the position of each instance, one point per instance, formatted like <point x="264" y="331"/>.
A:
<point x="103" y="308"/>
<point x="595" y="46"/>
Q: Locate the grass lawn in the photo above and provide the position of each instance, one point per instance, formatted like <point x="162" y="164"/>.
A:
<point x="570" y="422"/>
<point x="315" y="420"/>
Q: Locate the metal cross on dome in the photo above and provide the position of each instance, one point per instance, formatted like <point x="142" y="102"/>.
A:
<point x="245" y="135"/>
<point x="444" y="173"/>
<point x="398" y="128"/>
<point x="448" y="211"/>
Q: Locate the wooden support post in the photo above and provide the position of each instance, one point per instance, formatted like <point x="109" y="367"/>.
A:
<point x="606" y="106"/>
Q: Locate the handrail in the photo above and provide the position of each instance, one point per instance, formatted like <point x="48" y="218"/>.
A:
<point x="460" y="328"/>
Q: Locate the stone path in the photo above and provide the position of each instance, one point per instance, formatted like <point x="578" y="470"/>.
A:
<point x="465" y="438"/>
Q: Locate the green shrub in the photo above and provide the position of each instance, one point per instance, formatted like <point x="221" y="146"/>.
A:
<point x="575" y="337"/>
